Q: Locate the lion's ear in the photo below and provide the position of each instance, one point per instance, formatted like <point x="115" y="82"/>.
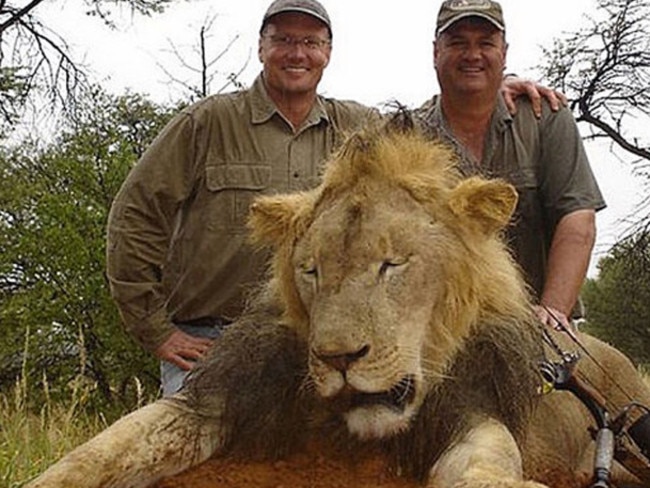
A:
<point x="274" y="218"/>
<point x="485" y="204"/>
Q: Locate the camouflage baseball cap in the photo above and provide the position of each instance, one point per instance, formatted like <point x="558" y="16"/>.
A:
<point x="309" y="7"/>
<point x="451" y="11"/>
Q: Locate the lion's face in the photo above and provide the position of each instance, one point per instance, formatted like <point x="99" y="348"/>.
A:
<point x="378" y="272"/>
<point x="369" y="273"/>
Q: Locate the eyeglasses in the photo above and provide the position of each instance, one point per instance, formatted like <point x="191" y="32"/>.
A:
<point x="286" y="42"/>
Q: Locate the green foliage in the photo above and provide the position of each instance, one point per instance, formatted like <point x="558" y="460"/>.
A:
<point x="618" y="301"/>
<point x="55" y="310"/>
<point x="13" y="91"/>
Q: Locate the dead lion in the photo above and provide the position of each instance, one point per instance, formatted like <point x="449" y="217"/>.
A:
<point x="395" y="325"/>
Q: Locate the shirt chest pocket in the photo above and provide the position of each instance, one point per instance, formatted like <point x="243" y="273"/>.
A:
<point x="231" y="190"/>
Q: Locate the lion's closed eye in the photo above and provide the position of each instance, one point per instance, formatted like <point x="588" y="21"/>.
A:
<point x="393" y="265"/>
<point x="309" y="271"/>
<point x="308" y="274"/>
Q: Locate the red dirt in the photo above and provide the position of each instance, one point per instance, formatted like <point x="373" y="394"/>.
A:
<point x="305" y="470"/>
<point x="308" y="470"/>
<point x="312" y="469"/>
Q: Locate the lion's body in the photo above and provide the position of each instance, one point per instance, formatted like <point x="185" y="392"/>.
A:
<point x="395" y="323"/>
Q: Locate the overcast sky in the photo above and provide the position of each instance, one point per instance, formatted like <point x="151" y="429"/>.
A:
<point x="382" y="51"/>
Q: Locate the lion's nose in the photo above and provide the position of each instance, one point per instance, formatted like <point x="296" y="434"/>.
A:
<point x="342" y="362"/>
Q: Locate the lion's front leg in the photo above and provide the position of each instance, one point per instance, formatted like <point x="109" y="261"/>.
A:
<point x="486" y="457"/>
<point x="158" y="440"/>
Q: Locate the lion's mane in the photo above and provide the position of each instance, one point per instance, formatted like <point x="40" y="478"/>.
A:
<point x="483" y="321"/>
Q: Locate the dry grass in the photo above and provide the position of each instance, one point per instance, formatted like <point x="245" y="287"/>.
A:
<point x="33" y="437"/>
<point x="32" y="440"/>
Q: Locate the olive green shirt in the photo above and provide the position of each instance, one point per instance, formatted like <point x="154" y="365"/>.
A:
<point x="177" y="240"/>
<point x="544" y="159"/>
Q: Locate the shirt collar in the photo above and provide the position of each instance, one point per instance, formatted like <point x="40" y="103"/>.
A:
<point x="499" y="123"/>
<point x="263" y="108"/>
<point x="501" y="118"/>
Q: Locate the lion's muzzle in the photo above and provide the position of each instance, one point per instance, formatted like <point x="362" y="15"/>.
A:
<point x="397" y="398"/>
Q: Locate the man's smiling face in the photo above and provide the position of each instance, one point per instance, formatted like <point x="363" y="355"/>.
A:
<point x="294" y="68"/>
<point x="470" y="57"/>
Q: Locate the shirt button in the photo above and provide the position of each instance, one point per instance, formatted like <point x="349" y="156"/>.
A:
<point x="296" y="174"/>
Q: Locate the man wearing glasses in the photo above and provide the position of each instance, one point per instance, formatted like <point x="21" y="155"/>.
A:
<point x="178" y="262"/>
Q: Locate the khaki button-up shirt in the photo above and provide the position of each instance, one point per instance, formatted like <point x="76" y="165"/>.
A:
<point x="177" y="241"/>
<point x="546" y="162"/>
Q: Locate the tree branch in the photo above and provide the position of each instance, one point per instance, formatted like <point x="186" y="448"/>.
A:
<point x="613" y="134"/>
<point x="17" y="15"/>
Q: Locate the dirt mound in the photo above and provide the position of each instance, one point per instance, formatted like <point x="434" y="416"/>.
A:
<point x="305" y="470"/>
<point x="311" y="469"/>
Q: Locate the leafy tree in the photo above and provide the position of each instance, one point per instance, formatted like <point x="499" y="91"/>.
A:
<point x="35" y="58"/>
<point x="55" y="311"/>
<point x="618" y="300"/>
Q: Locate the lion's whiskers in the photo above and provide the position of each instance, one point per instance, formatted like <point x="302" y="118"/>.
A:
<point x="307" y="386"/>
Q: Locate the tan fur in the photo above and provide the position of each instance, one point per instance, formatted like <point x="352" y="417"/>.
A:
<point x="395" y="321"/>
<point x="395" y="200"/>
<point x="475" y="208"/>
<point x="473" y="289"/>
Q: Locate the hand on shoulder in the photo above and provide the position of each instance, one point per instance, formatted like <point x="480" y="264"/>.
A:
<point x="514" y="87"/>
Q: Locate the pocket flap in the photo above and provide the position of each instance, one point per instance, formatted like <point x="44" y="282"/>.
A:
<point x="238" y="176"/>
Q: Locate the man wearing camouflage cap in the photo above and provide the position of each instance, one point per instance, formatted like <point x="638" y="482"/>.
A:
<point x="554" y="228"/>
